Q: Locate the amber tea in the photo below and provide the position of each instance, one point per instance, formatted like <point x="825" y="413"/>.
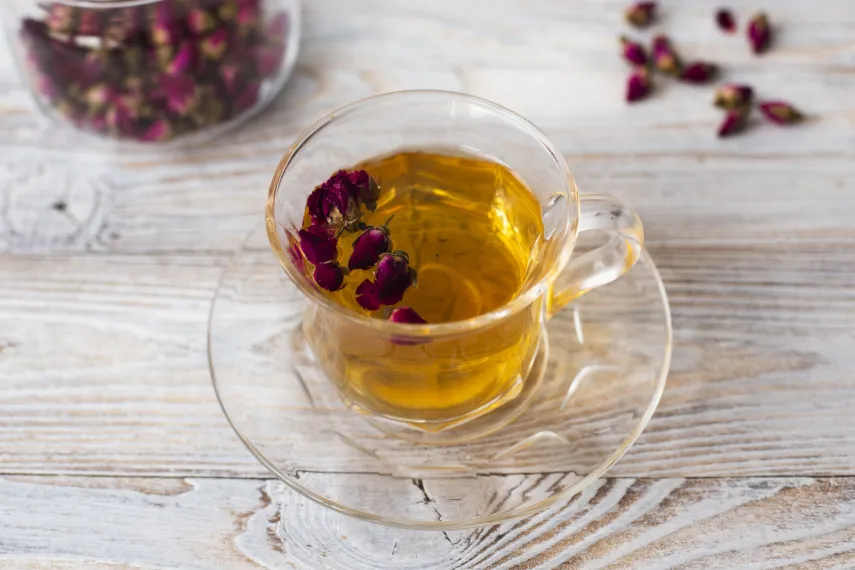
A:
<point x="467" y="231"/>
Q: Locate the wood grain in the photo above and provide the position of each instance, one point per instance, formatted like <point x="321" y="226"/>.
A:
<point x="109" y="260"/>
<point x="657" y="524"/>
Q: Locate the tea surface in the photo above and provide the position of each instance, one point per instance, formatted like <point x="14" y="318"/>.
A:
<point x="469" y="227"/>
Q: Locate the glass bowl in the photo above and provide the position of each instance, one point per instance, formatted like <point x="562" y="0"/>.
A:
<point x="602" y="368"/>
<point x="153" y="70"/>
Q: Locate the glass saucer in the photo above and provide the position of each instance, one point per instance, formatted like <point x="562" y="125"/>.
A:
<point x="600" y="374"/>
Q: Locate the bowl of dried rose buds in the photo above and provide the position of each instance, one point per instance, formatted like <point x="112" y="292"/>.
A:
<point x="154" y="70"/>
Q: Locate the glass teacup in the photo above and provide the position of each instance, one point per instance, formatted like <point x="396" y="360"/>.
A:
<point x="433" y="376"/>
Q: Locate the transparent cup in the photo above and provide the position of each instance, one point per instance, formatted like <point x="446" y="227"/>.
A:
<point x="436" y="376"/>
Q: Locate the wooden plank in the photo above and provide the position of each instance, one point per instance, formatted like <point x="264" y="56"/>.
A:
<point x="103" y="522"/>
<point x="555" y="64"/>
<point x="104" y="366"/>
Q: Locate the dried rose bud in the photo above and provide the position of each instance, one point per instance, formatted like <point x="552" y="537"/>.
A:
<point x="369" y="246"/>
<point x="91" y="22"/>
<point x="122" y="24"/>
<point x="633" y="52"/>
<point x="726" y="22"/>
<point x="393" y="277"/>
<point x="368" y="192"/>
<point x="164" y="29"/>
<point x="182" y="93"/>
<point x="96" y="97"/>
<point x="247" y="18"/>
<point x="60" y="18"/>
<point x="159" y="130"/>
<point x="330" y="276"/>
<point x="698" y="72"/>
<point x="734" y="122"/>
<point x="759" y="33"/>
<point x="93" y="67"/>
<point x="406" y="315"/>
<point x="269" y="60"/>
<point x="638" y="85"/>
<point x="200" y="21"/>
<point x="226" y="11"/>
<point x="317" y="245"/>
<point x="332" y="204"/>
<point x="368" y="295"/>
<point x="98" y="123"/>
<point x="640" y="14"/>
<point x="185" y="59"/>
<point x="733" y="96"/>
<point x="121" y="116"/>
<point x="779" y="112"/>
<point x="214" y="45"/>
<point x="664" y="57"/>
<point x="211" y="108"/>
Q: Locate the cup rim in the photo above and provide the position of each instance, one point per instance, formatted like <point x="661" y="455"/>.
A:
<point x="518" y="303"/>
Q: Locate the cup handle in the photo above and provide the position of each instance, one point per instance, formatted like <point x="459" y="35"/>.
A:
<point x="608" y="261"/>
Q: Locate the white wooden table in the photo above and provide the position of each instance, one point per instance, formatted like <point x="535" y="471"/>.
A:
<point x="114" y="453"/>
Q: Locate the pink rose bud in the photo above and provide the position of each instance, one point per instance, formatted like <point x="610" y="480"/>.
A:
<point x="633" y="52"/>
<point x="317" y="245"/>
<point x="185" y="59"/>
<point x="368" y="295"/>
<point x="214" y="44"/>
<point x="779" y="112"/>
<point x="734" y="122"/>
<point x="91" y="22"/>
<point x="698" y="72"/>
<point x="247" y="18"/>
<point x="368" y="192"/>
<point x="759" y="33"/>
<point x="726" y="22"/>
<point x="229" y="73"/>
<point x="330" y="276"/>
<point x="406" y="315"/>
<point x="60" y="18"/>
<point x="269" y="60"/>
<point x="182" y="93"/>
<point x="97" y="97"/>
<point x="393" y="277"/>
<point x="200" y="21"/>
<point x="159" y="130"/>
<point x="164" y="29"/>
<point x="664" y="57"/>
<point x="638" y="85"/>
<point x="640" y="14"/>
<point x="733" y="96"/>
<point x="369" y="246"/>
